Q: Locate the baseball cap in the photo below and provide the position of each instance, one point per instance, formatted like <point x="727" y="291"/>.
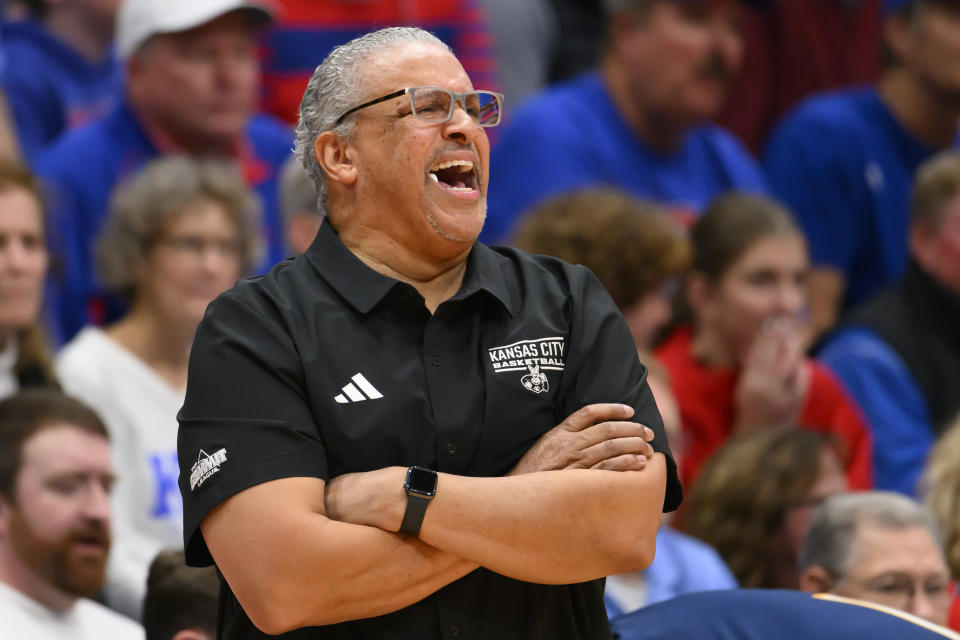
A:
<point x="138" y="20"/>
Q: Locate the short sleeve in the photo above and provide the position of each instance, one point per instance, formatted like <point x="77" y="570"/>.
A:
<point x="245" y="419"/>
<point x="605" y="367"/>
<point x="807" y="168"/>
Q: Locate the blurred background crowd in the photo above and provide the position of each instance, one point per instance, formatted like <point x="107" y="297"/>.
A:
<point x="769" y="190"/>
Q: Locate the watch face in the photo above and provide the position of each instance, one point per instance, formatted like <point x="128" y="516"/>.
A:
<point x="421" y="481"/>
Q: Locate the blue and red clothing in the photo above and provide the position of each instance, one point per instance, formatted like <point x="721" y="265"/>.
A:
<point x="82" y="169"/>
<point x="51" y="87"/>
<point x="705" y="396"/>
<point x="307" y="30"/>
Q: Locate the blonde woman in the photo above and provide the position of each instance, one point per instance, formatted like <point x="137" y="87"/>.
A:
<point x="24" y="357"/>
<point x="178" y="234"/>
<point x="940" y="487"/>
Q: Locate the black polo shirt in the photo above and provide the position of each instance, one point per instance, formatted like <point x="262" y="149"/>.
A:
<point x="324" y="367"/>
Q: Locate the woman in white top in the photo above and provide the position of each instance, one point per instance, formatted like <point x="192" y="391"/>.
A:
<point x="178" y="234"/>
<point x="24" y="357"/>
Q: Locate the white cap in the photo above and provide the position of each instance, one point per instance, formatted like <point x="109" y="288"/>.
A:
<point x="138" y="20"/>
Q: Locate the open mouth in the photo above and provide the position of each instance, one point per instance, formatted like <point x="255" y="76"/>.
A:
<point x="455" y="175"/>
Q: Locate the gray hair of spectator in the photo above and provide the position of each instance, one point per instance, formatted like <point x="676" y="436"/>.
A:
<point x="297" y="193"/>
<point x="833" y="528"/>
<point x="144" y="205"/>
<point x="179" y="597"/>
<point x="335" y="88"/>
<point x="935" y="184"/>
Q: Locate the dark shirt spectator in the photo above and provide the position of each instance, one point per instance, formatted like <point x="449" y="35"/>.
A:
<point x="181" y="601"/>
<point x="899" y="354"/>
<point x="398" y="340"/>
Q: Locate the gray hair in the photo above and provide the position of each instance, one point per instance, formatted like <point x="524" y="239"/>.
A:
<point x="142" y="206"/>
<point x="334" y="89"/>
<point x="829" y="543"/>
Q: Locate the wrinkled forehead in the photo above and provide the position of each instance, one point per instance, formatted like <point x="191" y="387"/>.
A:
<point x="410" y="64"/>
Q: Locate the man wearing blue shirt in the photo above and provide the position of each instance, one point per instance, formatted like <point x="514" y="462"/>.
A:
<point x="191" y="87"/>
<point x="843" y="162"/>
<point x="60" y="70"/>
<point x="899" y="354"/>
<point x="638" y="122"/>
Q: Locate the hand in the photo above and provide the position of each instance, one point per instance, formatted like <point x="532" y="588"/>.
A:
<point x="774" y="379"/>
<point x="371" y="498"/>
<point x="598" y="436"/>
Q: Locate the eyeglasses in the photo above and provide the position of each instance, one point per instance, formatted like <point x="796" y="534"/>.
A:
<point x="436" y="105"/>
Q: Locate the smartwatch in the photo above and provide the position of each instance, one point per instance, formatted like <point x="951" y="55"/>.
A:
<point x="420" y="486"/>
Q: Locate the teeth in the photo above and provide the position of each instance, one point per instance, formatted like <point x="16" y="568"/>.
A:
<point x="463" y="165"/>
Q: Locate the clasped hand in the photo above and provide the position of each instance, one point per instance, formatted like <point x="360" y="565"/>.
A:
<point x="598" y="436"/>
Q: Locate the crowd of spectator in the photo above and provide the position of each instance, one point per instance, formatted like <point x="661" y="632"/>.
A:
<point x="768" y="190"/>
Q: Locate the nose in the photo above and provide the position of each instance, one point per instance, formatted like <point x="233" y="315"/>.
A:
<point x="461" y="127"/>
<point x="97" y="504"/>
<point x="791" y="298"/>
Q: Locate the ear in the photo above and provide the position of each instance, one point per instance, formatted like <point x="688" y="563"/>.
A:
<point x="4" y="516"/>
<point x="816" y="580"/>
<point x="897" y="36"/>
<point x="335" y="156"/>
<point x="923" y="246"/>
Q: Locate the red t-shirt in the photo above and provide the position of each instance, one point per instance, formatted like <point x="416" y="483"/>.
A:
<point x="706" y="400"/>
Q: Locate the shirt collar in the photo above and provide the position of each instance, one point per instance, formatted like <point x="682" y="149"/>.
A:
<point x="364" y="288"/>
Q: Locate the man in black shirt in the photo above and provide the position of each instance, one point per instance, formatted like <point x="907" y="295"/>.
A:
<point x="367" y="445"/>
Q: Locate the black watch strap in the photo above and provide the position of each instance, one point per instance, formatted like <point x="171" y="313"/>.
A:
<point x="413" y="516"/>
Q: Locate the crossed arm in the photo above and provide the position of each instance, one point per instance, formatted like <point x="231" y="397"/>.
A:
<point x="583" y="503"/>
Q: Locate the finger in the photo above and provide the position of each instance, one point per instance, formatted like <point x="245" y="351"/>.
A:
<point x="614" y="429"/>
<point x="627" y="462"/>
<point x="609" y="449"/>
<point x="595" y="413"/>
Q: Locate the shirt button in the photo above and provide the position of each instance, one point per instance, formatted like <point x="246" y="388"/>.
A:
<point x="454" y="631"/>
<point x="451" y="448"/>
<point x="436" y="361"/>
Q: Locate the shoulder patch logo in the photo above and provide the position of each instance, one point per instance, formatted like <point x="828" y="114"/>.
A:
<point x="534" y="357"/>
<point x="207" y="464"/>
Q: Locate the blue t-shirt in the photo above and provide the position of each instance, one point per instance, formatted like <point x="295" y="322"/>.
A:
<point x="572" y="137"/>
<point x="761" y="614"/>
<point x="895" y="407"/>
<point x="682" y="565"/>
<point x="82" y="169"/>
<point x="844" y="165"/>
<point x="51" y="87"/>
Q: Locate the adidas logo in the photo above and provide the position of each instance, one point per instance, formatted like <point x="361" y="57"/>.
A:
<point x="352" y="394"/>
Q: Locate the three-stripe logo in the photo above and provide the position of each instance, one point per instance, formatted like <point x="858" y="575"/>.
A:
<point x="351" y="392"/>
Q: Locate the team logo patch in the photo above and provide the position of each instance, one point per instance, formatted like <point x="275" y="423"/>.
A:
<point x="207" y="464"/>
<point x="533" y="357"/>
